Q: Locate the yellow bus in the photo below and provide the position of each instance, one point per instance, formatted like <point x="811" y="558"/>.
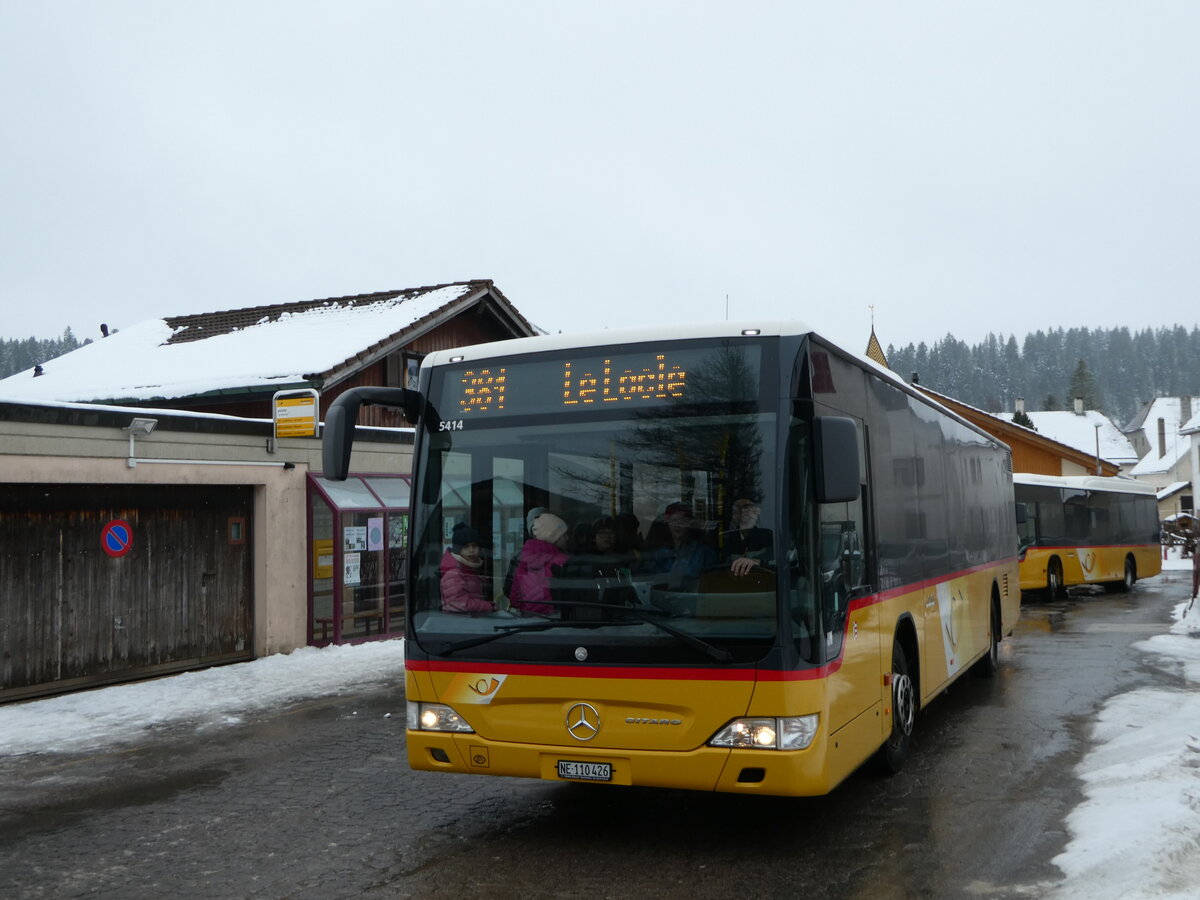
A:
<point x="1084" y="529"/>
<point x="742" y="559"/>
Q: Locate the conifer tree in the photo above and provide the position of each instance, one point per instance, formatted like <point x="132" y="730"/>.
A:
<point x="1083" y="385"/>
<point x="1020" y="417"/>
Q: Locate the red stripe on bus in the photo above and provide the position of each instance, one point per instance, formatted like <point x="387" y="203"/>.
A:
<point x="934" y="582"/>
<point x="659" y="673"/>
<point x="1154" y="547"/>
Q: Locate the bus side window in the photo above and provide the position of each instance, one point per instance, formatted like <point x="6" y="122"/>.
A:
<point x="842" y="568"/>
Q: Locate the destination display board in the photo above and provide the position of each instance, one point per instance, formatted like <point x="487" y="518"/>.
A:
<point x="592" y="379"/>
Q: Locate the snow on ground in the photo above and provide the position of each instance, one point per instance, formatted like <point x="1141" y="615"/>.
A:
<point x="93" y="720"/>
<point x="1136" y="835"/>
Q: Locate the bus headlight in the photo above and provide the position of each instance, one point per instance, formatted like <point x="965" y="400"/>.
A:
<point x="784" y="733"/>
<point x="435" y="717"/>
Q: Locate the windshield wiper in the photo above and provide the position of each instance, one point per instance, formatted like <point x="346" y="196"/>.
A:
<point x="506" y="630"/>
<point x="718" y="654"/>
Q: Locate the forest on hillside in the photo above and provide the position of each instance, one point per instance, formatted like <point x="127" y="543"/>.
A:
<point x="19" y="355"/>
<point x="1114" y="370"/>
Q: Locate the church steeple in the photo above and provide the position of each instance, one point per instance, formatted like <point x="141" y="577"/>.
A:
<point x="874" y="351"/>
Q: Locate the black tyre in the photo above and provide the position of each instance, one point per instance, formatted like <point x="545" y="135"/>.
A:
<point x="1125" y="585"/>
<point x="1054" y="578"/>
<point x="904" y="714"/>
<point x="990" y="663"/>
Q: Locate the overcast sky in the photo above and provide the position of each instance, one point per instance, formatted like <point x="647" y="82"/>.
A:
<point x="965" y="167"/>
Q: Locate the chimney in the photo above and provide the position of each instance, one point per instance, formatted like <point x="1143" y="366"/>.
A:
<point x="1185" y="410"/>
<point x="1020" y="405"/>
<point x="916" y="379"/>
<point x="1162" y="438"/>
<point x="1079" y="406"/>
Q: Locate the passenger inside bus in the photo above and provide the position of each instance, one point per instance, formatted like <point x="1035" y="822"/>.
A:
<point x="602" y="556"/>
<point x="530" y="591"/>
<point x="597" y="577"/>
<point x="746" y="545"/>
<point x="462" y="574"/>
<point x="628" y="533"/>
<point x="677" y="548"/>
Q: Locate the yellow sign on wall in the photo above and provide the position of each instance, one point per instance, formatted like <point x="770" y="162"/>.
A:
<point x="322" y="558"/>
<point x="296" y="414"/>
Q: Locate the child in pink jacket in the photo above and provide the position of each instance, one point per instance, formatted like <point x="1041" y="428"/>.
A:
<point x="461" y="568"/>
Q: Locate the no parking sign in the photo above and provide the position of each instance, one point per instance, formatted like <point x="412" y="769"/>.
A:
<point x="117" y="538"/>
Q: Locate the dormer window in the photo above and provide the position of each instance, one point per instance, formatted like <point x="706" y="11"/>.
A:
<point x="403" y="367"/>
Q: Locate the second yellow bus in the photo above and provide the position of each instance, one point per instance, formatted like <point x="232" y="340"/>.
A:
<point x="1085" y="529"/>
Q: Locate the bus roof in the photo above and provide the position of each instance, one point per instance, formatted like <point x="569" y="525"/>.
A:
<point x="1116" y="484"/>
<point x="617" y="336"/>
<point x="634" y="335"/>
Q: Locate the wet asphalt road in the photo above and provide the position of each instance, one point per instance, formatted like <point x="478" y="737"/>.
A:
<point x="316" y="801"/>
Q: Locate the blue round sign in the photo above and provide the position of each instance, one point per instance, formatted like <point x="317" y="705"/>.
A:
<point x="117" y="538"/>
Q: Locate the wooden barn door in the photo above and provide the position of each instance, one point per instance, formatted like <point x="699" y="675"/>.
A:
<point x="104" y="583"/>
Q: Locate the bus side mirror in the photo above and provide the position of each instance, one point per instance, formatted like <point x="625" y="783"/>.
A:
<point x="835" y="459"/>
<point x="340" y="419"/>
<point x="1021" y="514"/>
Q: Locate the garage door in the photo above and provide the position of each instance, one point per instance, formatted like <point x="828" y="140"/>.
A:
<point x="102" y="583"/>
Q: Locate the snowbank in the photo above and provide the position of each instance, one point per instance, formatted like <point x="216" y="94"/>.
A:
<point x="92" y="720"/>
<point x="1137" y="835"/>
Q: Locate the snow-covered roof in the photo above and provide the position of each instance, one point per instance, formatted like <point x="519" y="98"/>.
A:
<point x="1173" y="488"/>
<point x="1153" y="464"/>
<point x="167" y="412"/>
<point x="1170" y="409"/>
<point x="1080" y="431"/>
<point x="262" y="348"/>
<point x="1192" y="425"/>
<point x="1175" y="440"/>
<point x="1120" y="484"/>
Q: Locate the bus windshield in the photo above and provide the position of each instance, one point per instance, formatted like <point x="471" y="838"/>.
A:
<point x="638" y="533"/>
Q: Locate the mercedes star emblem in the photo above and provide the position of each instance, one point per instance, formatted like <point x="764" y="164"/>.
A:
<point x="583" y="722"/>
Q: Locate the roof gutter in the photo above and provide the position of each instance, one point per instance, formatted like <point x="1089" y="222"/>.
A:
<point x="133" y="461"/>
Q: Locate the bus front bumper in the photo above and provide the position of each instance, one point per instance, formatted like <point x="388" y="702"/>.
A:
<point x="795" y="773"/>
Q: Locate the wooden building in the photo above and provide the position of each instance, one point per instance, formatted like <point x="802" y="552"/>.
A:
<point x="233" y="362"/>
<point x="154" y="520"/>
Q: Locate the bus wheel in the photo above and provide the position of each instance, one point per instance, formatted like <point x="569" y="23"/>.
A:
<point x="1054" y="578"/>
<point x="1125" y="585"/>
<point x="904" y="713"/>
<point x="990" y="664"/>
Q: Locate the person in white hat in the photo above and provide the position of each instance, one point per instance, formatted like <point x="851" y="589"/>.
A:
<point x="531" y="581"/>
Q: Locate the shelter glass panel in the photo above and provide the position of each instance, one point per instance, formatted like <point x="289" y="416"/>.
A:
<point x="358" y="543"/>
